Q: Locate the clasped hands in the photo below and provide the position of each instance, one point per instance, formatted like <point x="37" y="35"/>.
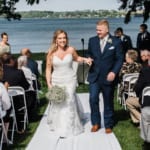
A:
<point x="88" y="61"/>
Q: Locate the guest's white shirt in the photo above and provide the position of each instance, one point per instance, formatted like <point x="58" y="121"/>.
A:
<point x="4" y="97"/>
<point x="28" y="75"/>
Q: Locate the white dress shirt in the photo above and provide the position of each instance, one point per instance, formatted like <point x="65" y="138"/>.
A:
<point x="4" y="97"/>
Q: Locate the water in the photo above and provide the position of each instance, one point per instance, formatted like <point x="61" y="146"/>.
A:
<point x="36" y="34"/>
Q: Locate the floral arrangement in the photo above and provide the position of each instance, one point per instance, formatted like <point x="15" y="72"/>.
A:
<point x="109" y="41"/>
<point x="56" y="94"/>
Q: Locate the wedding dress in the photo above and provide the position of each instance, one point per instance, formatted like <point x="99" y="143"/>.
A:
<point x="65" y="118"/>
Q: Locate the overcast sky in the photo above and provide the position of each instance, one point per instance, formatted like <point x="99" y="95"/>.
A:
<point x="69" y="5"/>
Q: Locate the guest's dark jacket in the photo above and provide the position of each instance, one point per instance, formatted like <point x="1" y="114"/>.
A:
<point x="33" y="66"/>
<point x="15" y="77"/>
<point x="143" y="43"/>
<point x="142" y="82"/>
<point x="126" y="43"/>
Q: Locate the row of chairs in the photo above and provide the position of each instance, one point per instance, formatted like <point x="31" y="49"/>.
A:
<point x="14" y="91"/>
<point x="131" y="80"/>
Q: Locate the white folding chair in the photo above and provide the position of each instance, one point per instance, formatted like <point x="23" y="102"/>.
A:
<point x="15" y="91"/>
<point x="145" y="92"/>
<point x="131" y="79"/>
<point x="34" y="79"/>
<point x="145" y="117"/>
<point x="39" y="62"/>
<point x="118" y="90"/>
<point x="2" y="128"/>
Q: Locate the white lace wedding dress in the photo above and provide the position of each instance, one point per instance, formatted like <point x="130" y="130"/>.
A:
<point x="65" y="118"/>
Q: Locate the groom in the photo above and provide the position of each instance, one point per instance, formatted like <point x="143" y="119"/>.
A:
<point x="106" y="52"/>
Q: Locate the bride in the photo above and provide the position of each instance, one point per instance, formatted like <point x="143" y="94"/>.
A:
<point x="64" y="118"/>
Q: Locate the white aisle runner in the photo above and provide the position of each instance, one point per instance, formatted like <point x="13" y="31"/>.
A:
<point x="44" y="139"/>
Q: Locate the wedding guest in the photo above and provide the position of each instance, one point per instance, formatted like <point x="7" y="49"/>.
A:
<point x="65" y="118"/>
<point x="4" y="99"/>
<point x="125" y="39"/>
<point x="32" y="64"/>
<point x="15" y="77"/>
<point x="30" y="93"/>
<point x="4" y="45"/>
<point x="134" y="103"/>
<point x="130" y="66"/>
<point x="106" y="52"/>
<point x="143" y="38"/>
<point x="22" y="64"/>
<point x="145" y="57"/>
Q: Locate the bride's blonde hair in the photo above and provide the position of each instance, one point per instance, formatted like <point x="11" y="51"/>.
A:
<point x="54" y="45"/>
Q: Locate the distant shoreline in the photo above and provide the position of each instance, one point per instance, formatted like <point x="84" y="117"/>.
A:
<point x="72" y="14"/>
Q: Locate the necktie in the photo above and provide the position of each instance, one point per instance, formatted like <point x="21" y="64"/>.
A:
<point x="102" y="44"/>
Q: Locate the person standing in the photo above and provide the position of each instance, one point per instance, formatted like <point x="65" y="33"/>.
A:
<point x="4" y="45"/>
<point x="64" y="118"/>
<point x="125" y="39"/>
<point x="106" y="52"/>
<point x="143" y="38"/>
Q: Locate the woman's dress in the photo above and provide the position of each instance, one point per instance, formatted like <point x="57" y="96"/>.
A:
<point x="65" y="118"/>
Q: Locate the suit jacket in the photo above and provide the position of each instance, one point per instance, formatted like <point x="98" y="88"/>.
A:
<point x="15" y="77"/>
<point x="126" y="43"/>
<point x="142" y="82"/>
<point x="33" y="66"/>
<point x="143" y="43"/>
<point x="109" y="61"/>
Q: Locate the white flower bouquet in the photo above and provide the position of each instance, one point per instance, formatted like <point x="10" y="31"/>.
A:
<point x="56" y="94"/>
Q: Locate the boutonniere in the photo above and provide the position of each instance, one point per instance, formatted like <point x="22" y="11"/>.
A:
<point x="109" y="41"/>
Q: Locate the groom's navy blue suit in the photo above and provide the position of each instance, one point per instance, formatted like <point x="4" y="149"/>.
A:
<point x="110" y="60"/>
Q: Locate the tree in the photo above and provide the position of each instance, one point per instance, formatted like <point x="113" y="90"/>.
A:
<point x="134" y="5"/>
<point x="7" y="8"/>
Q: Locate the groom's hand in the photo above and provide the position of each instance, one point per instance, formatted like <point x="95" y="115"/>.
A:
<point x="111" y="76"/>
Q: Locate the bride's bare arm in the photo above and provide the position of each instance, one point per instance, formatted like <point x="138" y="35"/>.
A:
<point x="48" y="69"/>
<point x="81" y="59"/>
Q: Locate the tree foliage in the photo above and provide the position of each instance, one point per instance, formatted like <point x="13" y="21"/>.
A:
<point x="7" y="8"/>
<point x="135" y="5"/>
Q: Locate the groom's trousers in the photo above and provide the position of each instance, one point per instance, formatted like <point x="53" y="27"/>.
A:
<point x="108" y="95"/>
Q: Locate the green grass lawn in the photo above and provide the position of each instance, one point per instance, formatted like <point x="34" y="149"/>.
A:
<point x="127" y="134"/>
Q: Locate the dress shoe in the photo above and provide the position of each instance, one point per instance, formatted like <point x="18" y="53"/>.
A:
<point x="95" y="128"/>
<point x="108" y="130"/>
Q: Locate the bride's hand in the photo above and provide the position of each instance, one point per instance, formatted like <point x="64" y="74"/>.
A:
<point x="89" y="61"/>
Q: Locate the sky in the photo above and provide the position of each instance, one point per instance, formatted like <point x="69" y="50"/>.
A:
<point x="69" y="5"/>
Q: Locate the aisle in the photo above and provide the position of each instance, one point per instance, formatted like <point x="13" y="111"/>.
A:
<point x="44" y="139"/>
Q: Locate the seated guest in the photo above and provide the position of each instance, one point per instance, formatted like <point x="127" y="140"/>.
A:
<point x="32" y="64"/>
<point x="15" y="77"/>
<point x="4" y="99"/>
<point x="130" y="66"/>
<point x="134" y="103"/>
<point x="145" y="57"/>
<point x="22" y="64"/>
<point x="30" y="93"/>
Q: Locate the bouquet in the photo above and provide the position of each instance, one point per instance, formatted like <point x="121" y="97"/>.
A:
<point x="56" y="94"/>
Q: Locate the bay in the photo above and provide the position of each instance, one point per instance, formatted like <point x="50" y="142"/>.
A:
<point x="37" y="34"/>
